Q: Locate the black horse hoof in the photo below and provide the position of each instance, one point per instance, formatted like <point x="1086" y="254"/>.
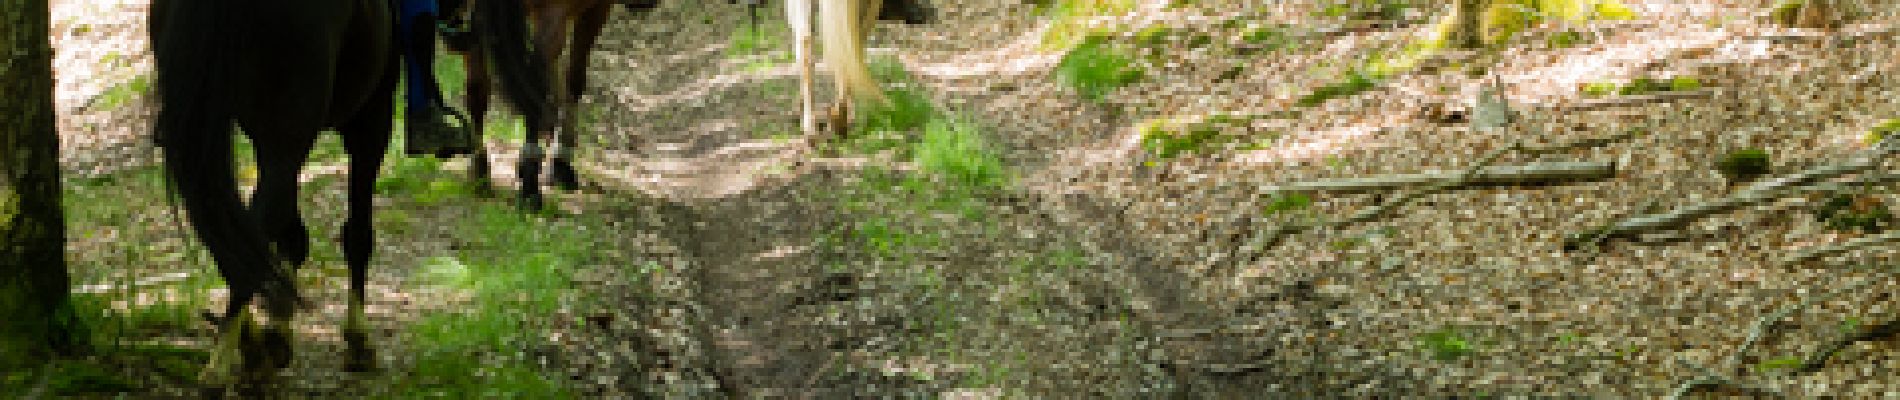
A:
<point x="359" y="357"/>
<point x="531" y="204"/>
<point x="276" y="346"/>
<point x="564" y="176"/>
<point x="453" y="151"/>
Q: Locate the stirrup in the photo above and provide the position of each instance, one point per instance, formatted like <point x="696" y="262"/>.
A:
<point x="456" y="35"/>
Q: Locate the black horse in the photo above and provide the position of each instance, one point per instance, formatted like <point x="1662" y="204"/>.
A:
<point x="284" y="70"/>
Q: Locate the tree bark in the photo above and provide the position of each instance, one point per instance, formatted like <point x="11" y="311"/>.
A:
<point x="1464" y="28"/>
<point x="34" y="287"/>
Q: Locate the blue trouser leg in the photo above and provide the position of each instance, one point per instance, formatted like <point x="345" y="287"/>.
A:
<point x="419" y="91"/>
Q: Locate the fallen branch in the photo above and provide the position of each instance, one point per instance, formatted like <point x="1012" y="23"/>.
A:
<point x="1818" y="252"/>
<point x="1887" y="331"/>
<point x="1624" y="101"/>
<point x="1259" y="244"/>
<point x="1539" y="173"/>
<point x="1755" y="335"/>
<point x="1755" y="194"/>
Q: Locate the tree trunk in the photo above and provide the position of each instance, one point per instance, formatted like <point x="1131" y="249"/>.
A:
<point x="33" y="282"/>
<point x="1464" y="28"/>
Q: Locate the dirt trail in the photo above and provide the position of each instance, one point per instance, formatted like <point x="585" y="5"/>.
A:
<point x="1312" y="316"/>
<point x="745" y="293"/>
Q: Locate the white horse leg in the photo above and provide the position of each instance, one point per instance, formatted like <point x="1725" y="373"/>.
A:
<point x="798" y="13"/>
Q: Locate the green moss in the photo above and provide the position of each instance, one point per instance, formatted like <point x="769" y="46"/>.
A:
<point x="1785" y="12"/>
<point x="1613" y="10"/>
<point x="1165" y="140"/>
<point x="1271" y="37"/>
<point x="1353" y="83"/>
<point x="1365" y="9"/>
<point x="1288" y="202"/>
<point x="1505" y="18"/>
<point x="1683" y="83"/>
<point x="1155" y="35"/>
<point x="1446" y="344"/>
<point x="1847" y="212"/>
<point x="1067" y="17"/>
<point x="1564" y="39"/>
<point x="124" y="93"/>
<point x="1599" y="89"/>
<point x="1744" y="164"/>
<point x="1881" y="130"/>
<point x="1640" y="85"/>
<point x="9" y="207"/>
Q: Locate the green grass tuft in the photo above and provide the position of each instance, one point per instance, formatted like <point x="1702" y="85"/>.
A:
<point x="1094" y="68"/>
<point x="955" y="150"/>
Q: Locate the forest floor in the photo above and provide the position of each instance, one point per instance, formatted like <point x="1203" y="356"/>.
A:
<point x="1024" y="240"/>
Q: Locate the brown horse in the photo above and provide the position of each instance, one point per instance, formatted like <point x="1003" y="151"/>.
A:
<point x="571" y="25"/>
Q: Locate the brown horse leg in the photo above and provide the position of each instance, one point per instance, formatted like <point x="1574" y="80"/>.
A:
<point x="476" y="100"/>
<point x="550" y="33"/>
<point x="586" y="29"/>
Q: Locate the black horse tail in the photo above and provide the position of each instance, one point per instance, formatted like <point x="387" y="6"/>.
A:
<point x="524" y="73"/>
<point x="193" y="46"/>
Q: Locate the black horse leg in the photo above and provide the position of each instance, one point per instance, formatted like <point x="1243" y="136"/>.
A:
<point x="586" y="29"/>
<point x="229" y="349"/>
<point x="913" y="12"/>
<point x="279" y="159"/>
<point x="366" y="139"/>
